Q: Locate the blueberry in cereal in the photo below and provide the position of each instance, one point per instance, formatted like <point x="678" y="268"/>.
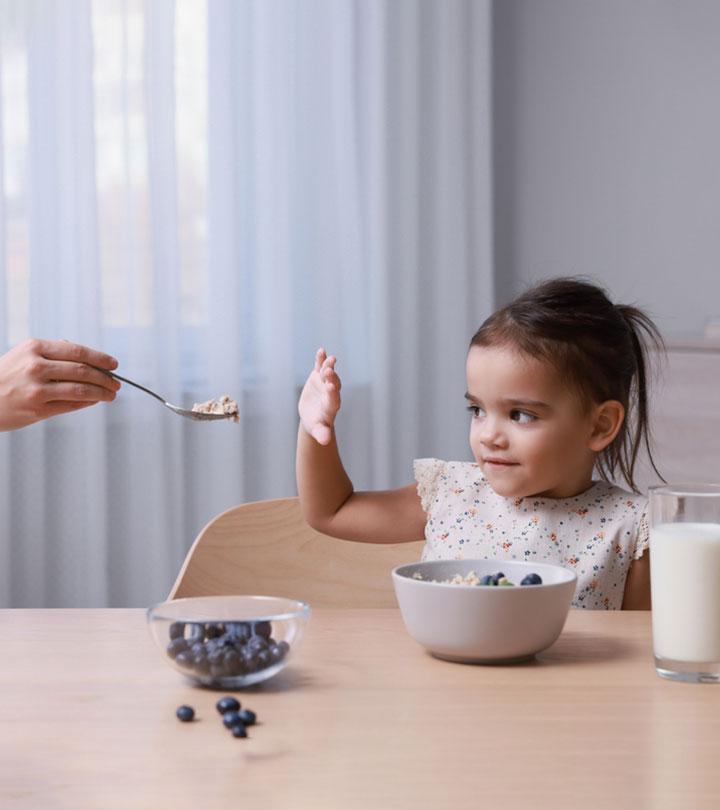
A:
<point x="492" y="580"/>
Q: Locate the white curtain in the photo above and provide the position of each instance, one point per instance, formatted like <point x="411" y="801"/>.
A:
<point x="210" y="191"/>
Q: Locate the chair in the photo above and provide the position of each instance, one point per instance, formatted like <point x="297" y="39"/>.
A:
<point x="267" y="548"/>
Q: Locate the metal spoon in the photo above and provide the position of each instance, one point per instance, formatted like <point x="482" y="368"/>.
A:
<point x="189" y="414"/>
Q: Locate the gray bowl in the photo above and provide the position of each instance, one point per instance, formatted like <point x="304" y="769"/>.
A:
<point x="479" y="623"/>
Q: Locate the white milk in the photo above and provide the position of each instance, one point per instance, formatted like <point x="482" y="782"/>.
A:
<point x="685" y="581"/>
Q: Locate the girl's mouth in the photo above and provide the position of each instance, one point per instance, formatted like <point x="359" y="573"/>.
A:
<point x="499" y="462"/>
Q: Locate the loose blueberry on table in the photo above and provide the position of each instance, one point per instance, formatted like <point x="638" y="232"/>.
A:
<point x="228" y="704"/>
<point x="247" y="717"/>
<point x="185" y="713"/>
<point x="231" y="719"/>
<point x="235" y="719"/>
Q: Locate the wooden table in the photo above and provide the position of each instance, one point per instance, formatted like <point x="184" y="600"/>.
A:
<point x="362" y="718"/>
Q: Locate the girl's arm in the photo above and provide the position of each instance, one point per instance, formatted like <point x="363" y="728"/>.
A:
<point x="328" y="500"/>
<point x="637" y="585"/>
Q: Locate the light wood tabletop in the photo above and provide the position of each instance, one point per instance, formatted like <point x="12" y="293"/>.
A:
<point x="361" y="718"/>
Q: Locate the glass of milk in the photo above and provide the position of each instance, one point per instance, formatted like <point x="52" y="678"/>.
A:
<point x="685" y="581"/>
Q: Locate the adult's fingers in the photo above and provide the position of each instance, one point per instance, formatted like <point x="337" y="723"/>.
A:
<point x="76" y="392"/>
<point x="74" y="352"/>
<point x="65" y="371"/>
<point x="59" y="408"/>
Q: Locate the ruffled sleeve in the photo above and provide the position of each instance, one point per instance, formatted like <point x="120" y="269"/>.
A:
<point x="428" y="473"/>
<point x="642" y="543"/>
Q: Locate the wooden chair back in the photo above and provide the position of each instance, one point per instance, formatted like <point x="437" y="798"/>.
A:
<point x="267" y="548"/>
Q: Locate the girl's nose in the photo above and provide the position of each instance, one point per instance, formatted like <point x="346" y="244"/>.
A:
<point x="491" y="433"/>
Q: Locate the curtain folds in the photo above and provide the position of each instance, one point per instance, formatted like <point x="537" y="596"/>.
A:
<point x="210" y="191"/>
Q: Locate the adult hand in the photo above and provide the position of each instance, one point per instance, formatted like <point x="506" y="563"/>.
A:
<point x="43" y="378"/>
<point x="320" y="399"/>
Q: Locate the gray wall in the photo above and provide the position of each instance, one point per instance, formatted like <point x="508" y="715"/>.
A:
<point x="607" y="150"/>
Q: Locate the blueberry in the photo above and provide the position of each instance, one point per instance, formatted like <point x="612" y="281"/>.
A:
<point x="185" y="713"/>
<point x="217" y="670"/>
<point x="202" y="665"/>
<point x="256" y="644"/>
<point x="196" y="634"/>
<point x="226" y="641"/>
<point x="497" y="577"/>
<point x="238" y="730"/>
<point x="487" y="580"/>
<point x="262" y="629"/>
<point x="276" y="653"/>
<point x="216" y="656"/>
<point x="176" y="646"/>
<point x="228" y="704"/>
<point x="185" y="659"/>
<point x="231" y="719"/>
<point x="240" y="631"/>
<point x="247" y="717"/>
<point x="177" y="630"/>
<point x="233" y="663"/>
<point x="532" y="579"/>
<point x="213" y="629"/>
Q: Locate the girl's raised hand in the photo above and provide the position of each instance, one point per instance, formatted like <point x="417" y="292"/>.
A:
<point x="320" y="399"/>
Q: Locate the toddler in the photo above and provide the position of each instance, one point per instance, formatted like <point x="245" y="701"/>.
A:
<point x="556" y="389"/>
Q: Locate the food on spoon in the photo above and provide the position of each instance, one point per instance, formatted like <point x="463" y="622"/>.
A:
<point x="222" y="405"/>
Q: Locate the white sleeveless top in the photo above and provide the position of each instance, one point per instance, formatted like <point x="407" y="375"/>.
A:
<point x="597" y="534"/>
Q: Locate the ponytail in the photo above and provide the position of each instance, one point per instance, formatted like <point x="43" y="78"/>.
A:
<point x="623" y="451"/>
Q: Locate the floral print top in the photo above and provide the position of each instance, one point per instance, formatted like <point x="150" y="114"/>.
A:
<point x="597" y="533"/>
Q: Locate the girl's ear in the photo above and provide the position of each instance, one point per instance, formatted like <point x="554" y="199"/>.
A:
<point x="607" y="421"/>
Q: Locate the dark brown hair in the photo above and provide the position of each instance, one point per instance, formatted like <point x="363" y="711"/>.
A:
<point x="601" y="348"/>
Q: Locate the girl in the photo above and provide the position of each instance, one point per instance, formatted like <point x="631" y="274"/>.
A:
<point x="556" y="388"/>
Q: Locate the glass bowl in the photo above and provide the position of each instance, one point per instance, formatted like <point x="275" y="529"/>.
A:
<point x="227" y="642"/>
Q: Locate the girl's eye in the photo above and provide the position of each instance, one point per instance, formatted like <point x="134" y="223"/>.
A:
<point x="476" y="411"/>
<point x="522" y="417"/>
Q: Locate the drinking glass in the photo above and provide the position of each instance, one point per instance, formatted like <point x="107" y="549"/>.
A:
<point x="685" y="581"/>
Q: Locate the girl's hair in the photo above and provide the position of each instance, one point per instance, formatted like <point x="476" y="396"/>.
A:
<point x="599" y="347"/>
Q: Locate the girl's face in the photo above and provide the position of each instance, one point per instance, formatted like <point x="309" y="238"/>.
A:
<point x="528" y="431"/>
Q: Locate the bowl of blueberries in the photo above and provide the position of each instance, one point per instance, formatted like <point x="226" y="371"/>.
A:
<point x="484" y="611"/>
<point x="228" y="642"/>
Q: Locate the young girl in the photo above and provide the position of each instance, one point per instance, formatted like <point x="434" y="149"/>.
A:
<point x="556" y="388"/>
